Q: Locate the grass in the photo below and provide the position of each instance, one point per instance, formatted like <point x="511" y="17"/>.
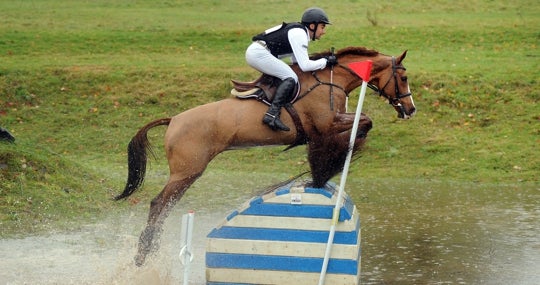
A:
<point x="79" y="78"/>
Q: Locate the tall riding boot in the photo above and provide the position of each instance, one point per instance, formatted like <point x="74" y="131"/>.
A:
<point x="283" y="93"/>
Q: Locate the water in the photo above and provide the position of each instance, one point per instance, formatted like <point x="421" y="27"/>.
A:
<point x="427" y="232"/>
<point x="102" y="253"/>
<point x="413" y="232"/>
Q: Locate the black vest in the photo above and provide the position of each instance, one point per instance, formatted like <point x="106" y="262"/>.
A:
<point x="277" y="40"/>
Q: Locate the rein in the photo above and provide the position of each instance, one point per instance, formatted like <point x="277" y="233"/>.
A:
<point x="301" y="136"/>
<point x="320" y="82"/>
<point x="392" y="101"/>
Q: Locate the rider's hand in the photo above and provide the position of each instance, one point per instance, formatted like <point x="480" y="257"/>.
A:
<point x="331" y="60"/>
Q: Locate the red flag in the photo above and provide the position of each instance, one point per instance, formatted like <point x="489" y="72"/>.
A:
<point x="362" y="68"/>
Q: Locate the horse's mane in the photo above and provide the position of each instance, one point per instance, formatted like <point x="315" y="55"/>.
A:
<point x="362" y="51"/>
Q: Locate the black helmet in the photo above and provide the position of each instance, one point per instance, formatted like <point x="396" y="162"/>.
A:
<point x="314" y="15"/>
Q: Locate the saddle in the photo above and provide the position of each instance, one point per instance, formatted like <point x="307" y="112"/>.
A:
<point x="261" y="89"/>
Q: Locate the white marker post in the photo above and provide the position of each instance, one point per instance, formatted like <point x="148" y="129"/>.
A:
<point x="186" y="235"/>
<point x="362" y="69"/>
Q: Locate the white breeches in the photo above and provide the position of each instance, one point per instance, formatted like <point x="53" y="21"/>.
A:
<point x="262" y="60"/>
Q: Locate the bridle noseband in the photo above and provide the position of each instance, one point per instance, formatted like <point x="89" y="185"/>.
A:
<point x="396" y="100"/>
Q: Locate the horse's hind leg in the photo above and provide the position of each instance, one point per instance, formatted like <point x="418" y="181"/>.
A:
<point x="159" y="210"/>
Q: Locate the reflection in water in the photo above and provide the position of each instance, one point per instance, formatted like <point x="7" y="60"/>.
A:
<point x="413" y="232"/>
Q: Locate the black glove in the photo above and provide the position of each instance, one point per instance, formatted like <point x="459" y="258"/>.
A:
<point x="331" y="60"/>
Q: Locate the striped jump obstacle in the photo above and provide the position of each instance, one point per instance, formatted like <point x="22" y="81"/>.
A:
<point x="281" y="237"/>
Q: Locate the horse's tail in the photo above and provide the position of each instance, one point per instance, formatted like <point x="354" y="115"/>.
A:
<point x="137" y="157"/>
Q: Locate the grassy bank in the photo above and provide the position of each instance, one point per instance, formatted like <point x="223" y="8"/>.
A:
<point x="78" y="79"/>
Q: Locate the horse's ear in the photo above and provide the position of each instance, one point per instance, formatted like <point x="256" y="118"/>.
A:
<point x="401" y="57"/>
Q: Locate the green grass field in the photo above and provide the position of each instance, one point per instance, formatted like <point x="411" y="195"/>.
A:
<point x="79" y="78"/>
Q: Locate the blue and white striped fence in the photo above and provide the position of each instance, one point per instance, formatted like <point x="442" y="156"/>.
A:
<point x="281" y="237"/>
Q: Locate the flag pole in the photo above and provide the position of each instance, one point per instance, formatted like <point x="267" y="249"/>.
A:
<point x="186" y="236"/>
<point x="363" y="69"/>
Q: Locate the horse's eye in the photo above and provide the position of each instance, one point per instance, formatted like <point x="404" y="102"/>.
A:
<point x="404" y="78"/>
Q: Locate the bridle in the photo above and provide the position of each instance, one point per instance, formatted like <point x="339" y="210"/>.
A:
<point x="301" y="137"/>
<point x="396" y="100"/>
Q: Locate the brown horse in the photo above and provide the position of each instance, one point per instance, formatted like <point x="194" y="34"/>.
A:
<point x="194" y="137"/>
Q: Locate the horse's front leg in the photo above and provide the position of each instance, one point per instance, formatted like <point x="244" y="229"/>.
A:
<point x="159" y="210"/>
<point x="343" y="123"/>
<point x="328" y="152"/>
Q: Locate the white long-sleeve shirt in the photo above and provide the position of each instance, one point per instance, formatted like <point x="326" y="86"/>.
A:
<point x="299" y="40"/>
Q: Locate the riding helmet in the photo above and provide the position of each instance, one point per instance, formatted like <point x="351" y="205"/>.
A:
<point x="314" y="15"/>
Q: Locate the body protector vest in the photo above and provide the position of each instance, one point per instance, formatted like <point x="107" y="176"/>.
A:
<point x="276" y="38"/>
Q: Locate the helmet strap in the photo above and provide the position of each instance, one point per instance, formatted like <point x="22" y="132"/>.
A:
<point x="313" y="31"/>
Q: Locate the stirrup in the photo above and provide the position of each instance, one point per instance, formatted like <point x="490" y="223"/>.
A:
<point x="275" y="123"/>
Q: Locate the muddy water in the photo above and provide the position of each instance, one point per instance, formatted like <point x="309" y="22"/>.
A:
<point x="413" y="232"/>
<point x="428" y="232"/>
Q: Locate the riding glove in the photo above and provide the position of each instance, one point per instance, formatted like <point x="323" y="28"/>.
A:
<point x="331" y="60"/>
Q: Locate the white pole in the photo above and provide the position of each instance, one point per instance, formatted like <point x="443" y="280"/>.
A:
<point x="335" y="216"/>
<point x="186" y="235"/>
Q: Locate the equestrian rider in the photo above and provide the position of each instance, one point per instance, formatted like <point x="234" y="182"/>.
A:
<point x="287" y="40"/>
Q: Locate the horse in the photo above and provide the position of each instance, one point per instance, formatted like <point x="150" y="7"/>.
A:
<point x="318" y="112"/>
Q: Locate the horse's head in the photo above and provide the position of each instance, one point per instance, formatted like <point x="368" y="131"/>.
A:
<point x="391" y="82"/>
<point x="388" y="77"/>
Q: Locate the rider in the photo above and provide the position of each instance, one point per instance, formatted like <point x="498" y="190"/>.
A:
<point x="287" y="40"/>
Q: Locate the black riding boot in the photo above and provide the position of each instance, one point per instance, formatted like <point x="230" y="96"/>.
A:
<point x="283" y="93"/>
